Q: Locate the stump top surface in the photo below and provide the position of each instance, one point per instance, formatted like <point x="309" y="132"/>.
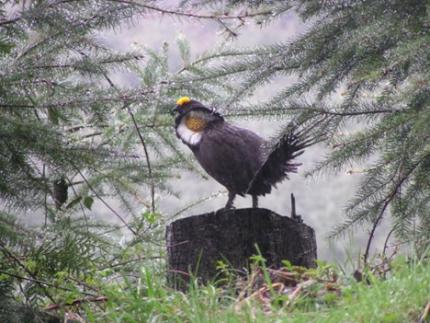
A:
<point x="236" y="214"/>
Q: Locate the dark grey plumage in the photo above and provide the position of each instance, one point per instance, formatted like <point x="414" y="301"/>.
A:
<point x="231" y="155"/>
<point x="60" y="192"/>
<point x="237" y="158"/>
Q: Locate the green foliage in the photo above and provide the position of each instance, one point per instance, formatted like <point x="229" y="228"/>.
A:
<point x="399" y="298"/>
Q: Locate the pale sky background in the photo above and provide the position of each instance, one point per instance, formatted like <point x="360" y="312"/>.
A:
<point x="320" y="201"/>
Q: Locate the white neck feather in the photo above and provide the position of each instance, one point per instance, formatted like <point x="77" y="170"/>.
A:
<point x="187" y="135"/>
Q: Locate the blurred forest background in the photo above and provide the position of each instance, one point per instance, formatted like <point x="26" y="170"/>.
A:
<point x="91" y="171"/>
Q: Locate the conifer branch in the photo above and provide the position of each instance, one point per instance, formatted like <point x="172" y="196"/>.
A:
<point x="193" y="15"/>
<point x="76" y="65"/>
<point x="10" y="255"/>
<point x="344" y="114"/>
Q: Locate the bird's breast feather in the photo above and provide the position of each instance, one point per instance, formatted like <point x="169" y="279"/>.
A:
<point x="187" y="135"/>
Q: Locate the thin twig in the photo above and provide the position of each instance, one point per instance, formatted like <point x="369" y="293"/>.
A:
<point x="230" y="31"/>
<point x="426" y="314"/>
<point x="5" y="105"/>
<point x="375" y="224"/>
<point x="80" y="203"/>
<point x="387" y="201"/>
<point x="151" y="177"/>
<point x="41" y="282"/>
<point x="386" y="241"/>
<point x="148" y="162"/>
<point x="119" y="264"/>
<point x="8" y="22"/>
<point x="104" y="202"/>
<point x="46" y="196"/>
<point x="75" y="302"/>
<point x="193" y="15"/>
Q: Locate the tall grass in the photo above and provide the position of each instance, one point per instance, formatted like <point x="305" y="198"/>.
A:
<point x="325" y="295"/>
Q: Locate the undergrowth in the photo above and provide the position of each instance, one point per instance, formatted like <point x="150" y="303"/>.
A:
<point x="400" y="293"/>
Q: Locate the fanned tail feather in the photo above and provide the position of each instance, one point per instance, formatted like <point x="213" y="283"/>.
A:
<point x="280" y="160"/>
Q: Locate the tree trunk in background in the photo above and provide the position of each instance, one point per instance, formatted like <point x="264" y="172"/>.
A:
<point x="195" y="244"/>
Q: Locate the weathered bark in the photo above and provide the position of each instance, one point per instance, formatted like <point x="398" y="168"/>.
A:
<point x="195" y="244"/>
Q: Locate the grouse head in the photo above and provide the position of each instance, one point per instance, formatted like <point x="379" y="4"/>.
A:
<point x="192" y="119"/>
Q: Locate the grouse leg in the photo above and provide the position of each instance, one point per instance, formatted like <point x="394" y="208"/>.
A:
<point x="254" y="201"/>
<point x="230" y="200"/>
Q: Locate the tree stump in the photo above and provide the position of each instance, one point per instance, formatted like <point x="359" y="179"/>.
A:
<point x="195" y="244"/>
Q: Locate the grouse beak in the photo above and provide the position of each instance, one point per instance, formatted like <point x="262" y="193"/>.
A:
<point x="176" y="109"/>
